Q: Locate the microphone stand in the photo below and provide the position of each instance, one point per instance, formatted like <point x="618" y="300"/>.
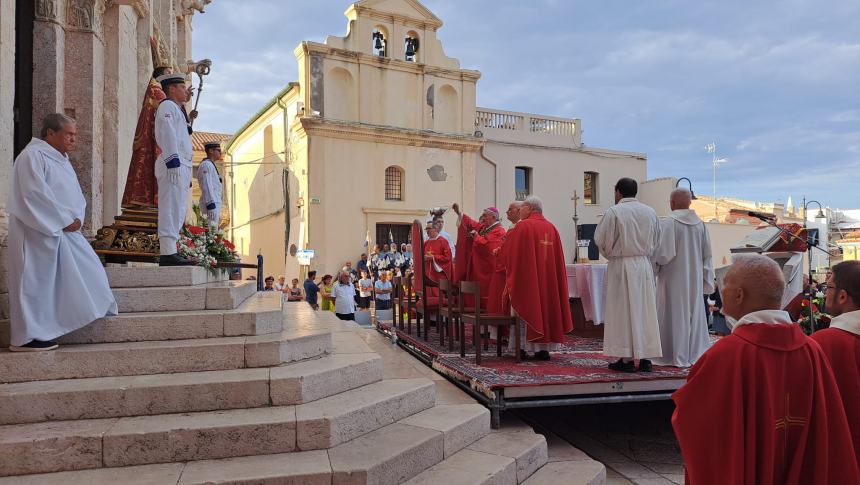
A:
<point x="809" y="247"/>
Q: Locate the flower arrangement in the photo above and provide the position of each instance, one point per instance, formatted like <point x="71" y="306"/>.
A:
<point x="205" y="246"/>
<point x="822" y="320"/>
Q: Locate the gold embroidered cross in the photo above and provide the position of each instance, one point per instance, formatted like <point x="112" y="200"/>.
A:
<point x="546" y="244"/>
<point x="785" y="423"/>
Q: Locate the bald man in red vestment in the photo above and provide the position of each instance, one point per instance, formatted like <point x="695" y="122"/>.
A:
<point x="762" y="405"/>
<point x="437" y="258"/>
<point x="477" y="244"/>
<point x="536" y="279"/>
<point x="841" y="342"/>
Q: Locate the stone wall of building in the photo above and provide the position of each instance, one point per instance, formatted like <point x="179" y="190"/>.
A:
<point x="7" y="131"/>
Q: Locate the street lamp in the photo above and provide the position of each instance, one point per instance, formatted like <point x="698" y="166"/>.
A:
<point x="689" y="183"/>
<point x="809" y="247"/>
<point x="715" y="161"/>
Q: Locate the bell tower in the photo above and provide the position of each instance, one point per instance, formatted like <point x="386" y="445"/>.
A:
<point x="389" y="69"/>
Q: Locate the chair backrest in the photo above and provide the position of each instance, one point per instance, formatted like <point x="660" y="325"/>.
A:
<point x="471" y="288"/>
<point x="421" y="281"/>
<point x="397" y="285"/>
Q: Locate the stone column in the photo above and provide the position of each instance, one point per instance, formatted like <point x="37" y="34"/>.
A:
<point x="49" y="47"/>
<point x="7" y="133"/>
<point x="120" y="101"/>
<point x="84" y="93"/>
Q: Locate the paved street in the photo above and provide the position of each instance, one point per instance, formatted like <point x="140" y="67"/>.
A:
<point x="635" y="441"/>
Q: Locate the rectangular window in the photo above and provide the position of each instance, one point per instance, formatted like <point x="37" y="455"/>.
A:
<point x="589" y="195"/>
<point x="523" y="182"/>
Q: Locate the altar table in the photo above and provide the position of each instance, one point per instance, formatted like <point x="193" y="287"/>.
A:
<point x="587" y="282"/>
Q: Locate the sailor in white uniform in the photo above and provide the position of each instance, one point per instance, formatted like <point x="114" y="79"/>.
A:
<point x="173" y="166"/>
<point x="210" y="183"/>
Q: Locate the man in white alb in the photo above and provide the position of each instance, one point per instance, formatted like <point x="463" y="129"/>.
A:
<point x="685" y="274"/>
<point x="173" y="167"/>
<point x="210" y="184"/>
<point x="56" y="282"/>
<point x="627" y="236"/>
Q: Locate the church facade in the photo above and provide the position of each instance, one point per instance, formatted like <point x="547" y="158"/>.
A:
<point x="382" y="126"/>
<point x="92" y="60"/>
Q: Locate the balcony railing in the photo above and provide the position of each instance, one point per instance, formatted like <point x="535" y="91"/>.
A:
<point x="552" y="127"/>
<point x="522" y="194"/>
<point x="502" y="120"/>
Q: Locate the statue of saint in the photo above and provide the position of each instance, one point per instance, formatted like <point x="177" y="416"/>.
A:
<point x="141" y="189"/>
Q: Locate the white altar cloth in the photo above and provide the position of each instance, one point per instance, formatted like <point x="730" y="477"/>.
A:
<point x="588" y="283"/>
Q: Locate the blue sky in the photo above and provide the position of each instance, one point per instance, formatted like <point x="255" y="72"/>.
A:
<point x="776" y="84"/>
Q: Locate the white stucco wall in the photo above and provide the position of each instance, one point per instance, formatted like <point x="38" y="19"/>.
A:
<point x="555" y="174"/>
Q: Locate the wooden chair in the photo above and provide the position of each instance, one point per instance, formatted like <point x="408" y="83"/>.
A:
<point x="447" y="293"/>
<point x="397" y="302"/>
<point x="482" y="321"/>
<point x="409" y="303"/>
<point x="424" y="308"/>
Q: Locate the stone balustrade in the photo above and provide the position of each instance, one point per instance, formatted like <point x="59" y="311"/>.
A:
<point x="527" y="128"/>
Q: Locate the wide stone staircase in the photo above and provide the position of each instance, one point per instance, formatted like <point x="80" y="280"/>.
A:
<point x="200" y="380"/>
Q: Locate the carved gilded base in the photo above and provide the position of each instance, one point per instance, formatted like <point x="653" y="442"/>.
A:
<point x="132" y="237"/>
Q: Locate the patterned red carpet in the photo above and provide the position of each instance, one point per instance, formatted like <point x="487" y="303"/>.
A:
<point x="579" y="361"/>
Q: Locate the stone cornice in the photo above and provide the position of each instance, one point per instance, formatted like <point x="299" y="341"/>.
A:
<point x="396" y="212"/>
<point x="395" y="18"/>
<point x="309" y="48"/>
<point x="316" y="126"/>
<point x="599" y="152"/>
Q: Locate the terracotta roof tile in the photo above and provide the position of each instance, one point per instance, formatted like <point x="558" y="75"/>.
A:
<point x="199" y="138"/>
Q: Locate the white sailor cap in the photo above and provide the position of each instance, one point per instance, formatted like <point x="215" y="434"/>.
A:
<point x="168" y="79"/>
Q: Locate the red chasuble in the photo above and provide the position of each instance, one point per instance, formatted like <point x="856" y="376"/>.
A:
<point x="476" y="260"/>
<point x="141" y="189"/>
<point x="536" y="279"/>
<point x="762" y="407"/>
<point x="842" y="349"/>
<point x="441" y="252"/>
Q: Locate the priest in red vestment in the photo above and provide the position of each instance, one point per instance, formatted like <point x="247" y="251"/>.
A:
<point x="841" y="342"/>
<point x="437" y="258"/>
<point x="477" y="242"/>
<point x="762" y="405"/>
<point x="536" y="280"/>
<point x="141" y="188"/>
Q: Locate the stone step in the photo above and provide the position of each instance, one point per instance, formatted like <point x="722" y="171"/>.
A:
<point x="328" y="422"/>
<point x="222" y="295"/>
<point x="585" y="472"/>
<point x="502" y="458"/>
<point x="399" y="451"/>
<point x="166" y="438"/>
<point x="258" y="315"/>
<point x="167" y="357"/>
<point x="155" y="276"/>
<point x="311" y="380"/>
<point x="109" y="397"/>
<point x="388" y="455"/>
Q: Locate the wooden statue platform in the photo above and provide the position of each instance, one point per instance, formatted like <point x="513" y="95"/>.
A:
<point x="132" y="237"/>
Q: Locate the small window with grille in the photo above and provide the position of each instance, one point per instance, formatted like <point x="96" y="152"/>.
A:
<point x="590" y="185"/>
<point x="393" y="183"/>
